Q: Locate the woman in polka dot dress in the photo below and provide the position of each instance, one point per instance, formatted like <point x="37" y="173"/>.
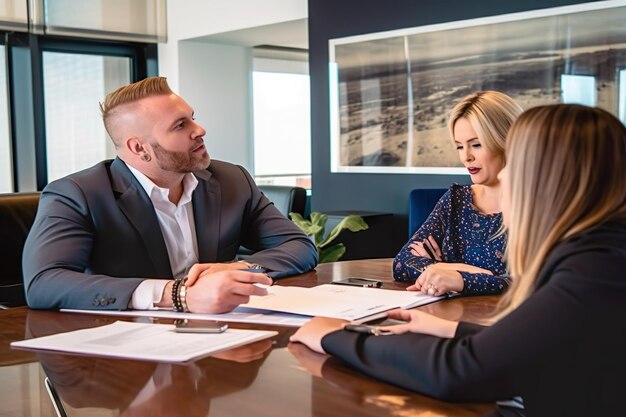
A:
<point x="460" y="246"/>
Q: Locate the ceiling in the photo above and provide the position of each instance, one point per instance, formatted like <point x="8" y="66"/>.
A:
<point x="291" y="34"/>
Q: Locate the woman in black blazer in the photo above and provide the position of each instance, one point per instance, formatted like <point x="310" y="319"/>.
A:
<point x="559" y="341"/>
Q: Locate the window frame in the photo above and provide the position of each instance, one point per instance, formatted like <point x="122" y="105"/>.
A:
<point x="25" y="75"/>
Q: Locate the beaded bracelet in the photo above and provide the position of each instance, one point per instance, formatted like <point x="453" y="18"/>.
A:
<point x="182" y="295"/>
<point x="176" y="304"/>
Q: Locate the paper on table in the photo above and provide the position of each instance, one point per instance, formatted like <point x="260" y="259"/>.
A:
<point x="144" y="341"/>
<point x="337" y="301"/>
<point x="239" y="315"/>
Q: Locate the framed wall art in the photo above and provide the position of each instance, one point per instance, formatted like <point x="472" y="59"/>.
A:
<point x="391" y="92"/>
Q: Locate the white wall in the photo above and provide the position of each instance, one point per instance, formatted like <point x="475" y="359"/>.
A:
<point x="211" y="76"/>
<point x="217" y="86"/>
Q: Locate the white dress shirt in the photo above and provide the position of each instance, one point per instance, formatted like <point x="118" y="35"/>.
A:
<point x="179" y="232"/>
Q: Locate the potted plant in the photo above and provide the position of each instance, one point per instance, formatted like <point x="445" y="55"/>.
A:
<point x="316" y="227"/>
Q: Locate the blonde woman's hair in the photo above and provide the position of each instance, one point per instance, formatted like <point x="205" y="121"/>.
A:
<point x="129" y="94"/>
<point x="565" y="174"/>
<point x="491" y="114"/>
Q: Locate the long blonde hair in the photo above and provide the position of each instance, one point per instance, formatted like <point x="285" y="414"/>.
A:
<point x="566" y="173"/>
<point x="491" y="114"/>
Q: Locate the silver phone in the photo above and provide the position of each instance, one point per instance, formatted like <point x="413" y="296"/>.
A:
<point x="200" y="326"/>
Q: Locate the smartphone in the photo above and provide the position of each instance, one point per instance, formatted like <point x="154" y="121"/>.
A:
<point x="200" y="326"/>
<point x="360" y="282"/>
<point x="367" y="329"/>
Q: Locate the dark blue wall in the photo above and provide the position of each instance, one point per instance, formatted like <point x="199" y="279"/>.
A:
<point x="330" y="19"/>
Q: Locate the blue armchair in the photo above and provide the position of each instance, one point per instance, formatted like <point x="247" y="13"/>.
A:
<point x="422" y="201"/>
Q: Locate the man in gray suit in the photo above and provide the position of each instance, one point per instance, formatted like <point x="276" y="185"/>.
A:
<point x="125" y="232"/>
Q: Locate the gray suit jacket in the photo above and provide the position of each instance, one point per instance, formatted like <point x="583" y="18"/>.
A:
<point x="97" y="226"/>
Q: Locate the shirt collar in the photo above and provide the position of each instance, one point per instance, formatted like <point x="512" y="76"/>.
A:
<point x="190" y="182"/>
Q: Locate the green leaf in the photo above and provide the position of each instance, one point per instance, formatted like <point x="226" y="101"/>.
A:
<point x="318" y="219"/>
<point x="306" y="226"/>
<point x="332" y="253"/>
<point x="315" y="228"/>
<point x="352" y="222"/>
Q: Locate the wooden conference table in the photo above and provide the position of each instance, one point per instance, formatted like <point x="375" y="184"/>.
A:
<point x="267" y="378"/>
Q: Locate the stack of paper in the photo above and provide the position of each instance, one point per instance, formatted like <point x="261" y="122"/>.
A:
<point x="154" y="342"/>
<point x="337" y="301"/>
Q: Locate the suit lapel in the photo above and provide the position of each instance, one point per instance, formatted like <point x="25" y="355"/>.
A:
<point x="138" y="208"/>
<point x="206" y="213"/>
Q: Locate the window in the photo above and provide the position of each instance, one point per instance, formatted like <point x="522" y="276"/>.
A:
<point x="58" y="60"/>
<point x="6" y="166"/>
<point x="282" y="136"/>
<point x="622" y="95"/>
<point x="578" y="89"/>
<point x="74" y="84"/>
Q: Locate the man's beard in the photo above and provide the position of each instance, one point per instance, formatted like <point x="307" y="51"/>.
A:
<point x="182" y="162"/>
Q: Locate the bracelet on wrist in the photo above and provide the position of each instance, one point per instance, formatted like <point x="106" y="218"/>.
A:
<point x="182" y="295"/>
<point x="176" y="304"/>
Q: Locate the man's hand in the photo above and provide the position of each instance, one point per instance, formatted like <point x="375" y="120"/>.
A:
<point x="199" y="270"/>
<point x="222" y="291"/>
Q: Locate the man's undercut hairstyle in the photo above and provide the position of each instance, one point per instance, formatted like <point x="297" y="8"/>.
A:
<point x="128" y="94"/>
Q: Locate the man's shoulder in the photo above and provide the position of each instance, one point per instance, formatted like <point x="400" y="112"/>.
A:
<point x="91" y="177"/>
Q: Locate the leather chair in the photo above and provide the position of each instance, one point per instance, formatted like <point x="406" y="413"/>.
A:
<point x="17" y="213"/>
<point x="422" y="201"/>
<point x="287" y="199"/>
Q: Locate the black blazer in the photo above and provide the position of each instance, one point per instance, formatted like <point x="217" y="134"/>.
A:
<point x="563" y="350"/>
<point x="98" y="225"/>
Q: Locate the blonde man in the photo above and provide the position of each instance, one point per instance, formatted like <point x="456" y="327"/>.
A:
<point x="161" y="224"/>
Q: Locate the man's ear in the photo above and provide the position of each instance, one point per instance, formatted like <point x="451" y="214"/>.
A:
<point x="136" y="147"/>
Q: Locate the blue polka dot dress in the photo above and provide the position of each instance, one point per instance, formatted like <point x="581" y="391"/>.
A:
<point x="465" y="235"/>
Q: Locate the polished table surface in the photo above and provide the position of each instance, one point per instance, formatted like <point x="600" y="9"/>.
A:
<point x="268" y="378"/>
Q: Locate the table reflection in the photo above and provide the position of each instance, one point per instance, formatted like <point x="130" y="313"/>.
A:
<point x="137" y="388"/>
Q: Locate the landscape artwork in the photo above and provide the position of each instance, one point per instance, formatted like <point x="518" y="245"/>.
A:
<point x="391" y="92"/>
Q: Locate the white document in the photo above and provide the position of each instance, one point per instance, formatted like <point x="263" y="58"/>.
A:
<point x="153" y="342"/>
<point x="337" y="301"/>
<point x="238" y="315"/>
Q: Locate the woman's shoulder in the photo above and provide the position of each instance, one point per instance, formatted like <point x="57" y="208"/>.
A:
<point x="606" y="241"/>
<point x="605" y="237"/>
<point x="460" y="194"/>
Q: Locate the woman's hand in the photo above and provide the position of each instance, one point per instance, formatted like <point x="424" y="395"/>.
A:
<point x="428" y="248"/>
<point x="420" y="322"/>
<point x="312" y="333"/>
<point x="464" y="268"/>
<point x="437" y="279"/>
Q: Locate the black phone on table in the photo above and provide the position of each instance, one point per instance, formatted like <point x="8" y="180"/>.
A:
<point x="360" y="282"/>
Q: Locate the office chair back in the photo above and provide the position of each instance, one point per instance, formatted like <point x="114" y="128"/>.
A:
<point x="17" y="213"/>
<point x="287" y="199"/>
<point x="422" y="201"/>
